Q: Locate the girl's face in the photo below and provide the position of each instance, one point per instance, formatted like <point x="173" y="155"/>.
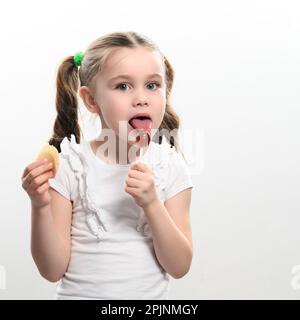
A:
<point x="132" y="81"/>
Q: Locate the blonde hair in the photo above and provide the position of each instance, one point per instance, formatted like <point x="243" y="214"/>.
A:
<point x="69" y="78"/>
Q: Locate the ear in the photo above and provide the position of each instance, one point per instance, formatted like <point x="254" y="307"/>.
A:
<point x="88" y="99"/>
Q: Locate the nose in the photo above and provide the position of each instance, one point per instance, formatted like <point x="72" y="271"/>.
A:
<point x="141" y="100"/>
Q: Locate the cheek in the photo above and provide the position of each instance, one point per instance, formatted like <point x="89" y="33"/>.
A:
<point x="160" y="106"/>
<point x="116" y="108"/>
<point x="114" y="112"/>
<point x="160" y="97"/>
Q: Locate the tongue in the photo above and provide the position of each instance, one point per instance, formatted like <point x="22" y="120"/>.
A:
<point x="141" y="124"/>
<point x="144" y="126"/>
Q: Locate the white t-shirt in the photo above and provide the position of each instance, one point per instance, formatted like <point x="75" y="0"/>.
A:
<point x="112" y="253"/>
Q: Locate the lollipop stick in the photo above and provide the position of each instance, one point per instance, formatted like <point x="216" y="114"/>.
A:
<point x="143" y="142"/>
<point x="141" y="153"/>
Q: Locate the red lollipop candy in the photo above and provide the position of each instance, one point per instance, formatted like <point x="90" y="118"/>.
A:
<point x="143" y="126"/>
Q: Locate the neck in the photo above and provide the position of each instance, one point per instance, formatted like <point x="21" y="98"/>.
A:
<point x="115" y="150"/>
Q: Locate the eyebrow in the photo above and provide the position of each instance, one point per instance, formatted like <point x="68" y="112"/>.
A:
<point x="127" y="76"/>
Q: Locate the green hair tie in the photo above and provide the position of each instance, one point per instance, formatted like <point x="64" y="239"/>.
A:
<point x="78" y="58"/>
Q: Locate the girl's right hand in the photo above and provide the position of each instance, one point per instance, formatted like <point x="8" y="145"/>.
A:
<point x="35" y="182"/>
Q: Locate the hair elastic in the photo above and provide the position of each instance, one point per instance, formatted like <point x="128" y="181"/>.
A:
<point x="78" y="58"/>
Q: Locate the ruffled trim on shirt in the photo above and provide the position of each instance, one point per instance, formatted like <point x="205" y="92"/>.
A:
<point x="158" y="159"/>
<point x="95" y="219"/>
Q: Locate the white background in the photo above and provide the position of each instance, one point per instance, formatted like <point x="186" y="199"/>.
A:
<point x="237" y="79"/>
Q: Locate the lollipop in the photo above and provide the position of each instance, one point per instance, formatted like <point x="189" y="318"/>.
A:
<point x="142" y="123"/>
<point x="143" y="140"/>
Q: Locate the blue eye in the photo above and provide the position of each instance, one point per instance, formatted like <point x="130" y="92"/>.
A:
<point x="120" y="84"/>
<point x="157" y="84"/>
<point x="123" y="85"/>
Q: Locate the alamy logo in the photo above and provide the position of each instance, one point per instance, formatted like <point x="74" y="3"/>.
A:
<point x="2" y="278"/>
<point x="191" y="142"/>
<point x="295" y="283"/>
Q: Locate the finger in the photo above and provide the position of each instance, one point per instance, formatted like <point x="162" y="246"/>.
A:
<point x="38" y="171"/>
<point x="130" y="190"/>
<point x="133" y="183"/>
<point x="140" y="166"/>
<point x="32" y="166"/>
<point x="28" y="180"/>
<point x="39" y="180"/>
<point x="41" y="189"/>
<point x="136" y="174"/>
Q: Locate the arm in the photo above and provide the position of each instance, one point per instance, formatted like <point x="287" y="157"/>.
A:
<point x="171" y="233"/>
<point x="50" y="236"/>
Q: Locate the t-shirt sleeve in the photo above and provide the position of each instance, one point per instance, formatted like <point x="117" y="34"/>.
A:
<point x="178" y="176"/>
<point x="64" y="179"/>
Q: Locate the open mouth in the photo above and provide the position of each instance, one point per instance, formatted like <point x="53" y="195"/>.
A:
<point x="141" y="122"/>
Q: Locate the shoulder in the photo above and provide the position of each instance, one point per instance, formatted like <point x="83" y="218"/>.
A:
<point x="178" y="175"/>
<point x="73" y="154"/>
<point x="72" y="151"/>
<point x="164" y="154"/>
<point x="70" y="165"/>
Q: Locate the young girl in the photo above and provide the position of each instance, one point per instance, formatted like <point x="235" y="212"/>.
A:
<point x="110" y="225"/>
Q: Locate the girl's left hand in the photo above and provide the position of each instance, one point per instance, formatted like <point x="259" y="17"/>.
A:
<point x="140" y="184"/>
